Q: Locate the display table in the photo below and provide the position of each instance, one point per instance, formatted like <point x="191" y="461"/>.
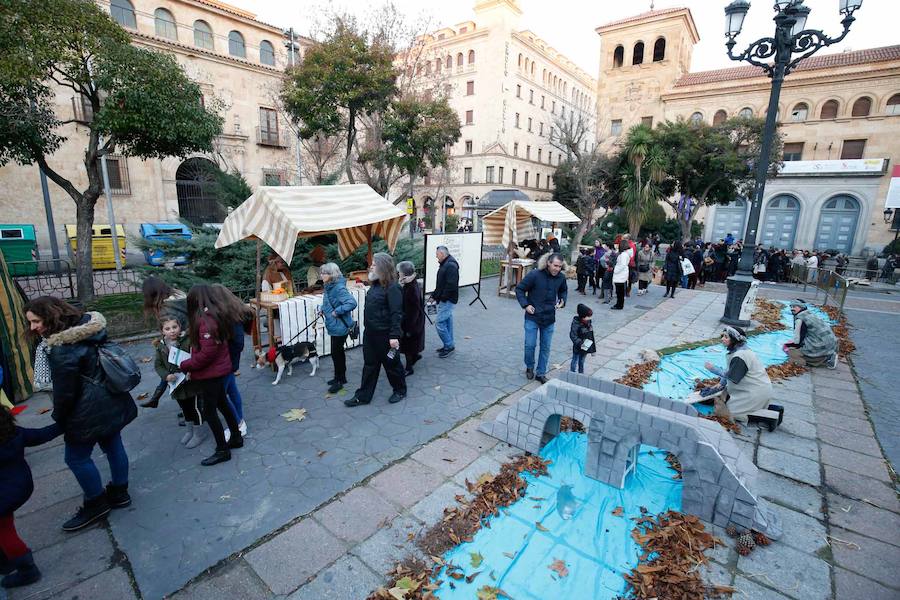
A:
<point x="289" y="317"/>
<point x="514" y="273"/>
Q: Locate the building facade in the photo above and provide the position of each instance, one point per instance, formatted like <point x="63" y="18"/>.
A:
<point x="237" y="60"/>
<point x="839" y="115"/>
<point x="510" y="88"/>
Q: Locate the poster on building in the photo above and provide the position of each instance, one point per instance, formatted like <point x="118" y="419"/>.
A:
<point x="893" y="196"/>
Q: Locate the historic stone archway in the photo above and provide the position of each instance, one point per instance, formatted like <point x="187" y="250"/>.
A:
<point x="195" y="185"/>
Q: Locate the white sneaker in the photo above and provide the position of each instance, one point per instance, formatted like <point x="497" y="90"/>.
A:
<point x="242" y="427"/>
<point x="227" y="435"/>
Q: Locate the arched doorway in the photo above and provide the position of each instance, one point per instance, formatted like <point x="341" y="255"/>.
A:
<point x="195" y="185"/>
<point x="780" y="225"/>
<point x="730" y="218"/>
<point x="837" y="224"/>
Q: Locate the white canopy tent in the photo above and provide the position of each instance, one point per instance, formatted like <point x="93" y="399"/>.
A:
<point x="279" y="215"/>
<point x="511" y="223"/>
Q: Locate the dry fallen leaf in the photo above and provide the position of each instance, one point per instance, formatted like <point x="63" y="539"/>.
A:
<point x="471" y="578"/>
<point x="476" y="558"/>
<point x="540" y="527"/>
<point x="321" y="453"/>
<point x="142" y="396"/>
<point x="146" y="359"/>
<point x="44" y="411"/>
<point x="617" y="512"/>
<point x="560" y="567"/>
<point x="295" y="414"/>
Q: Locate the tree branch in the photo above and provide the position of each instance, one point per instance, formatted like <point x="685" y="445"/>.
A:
<point x="59" y="180"/>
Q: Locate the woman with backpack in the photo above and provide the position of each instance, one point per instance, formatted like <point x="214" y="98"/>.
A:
<point x="85" y="408"/>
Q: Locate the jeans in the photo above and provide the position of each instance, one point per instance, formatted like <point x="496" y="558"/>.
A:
<point x="577" y="362"/>
<point x="531" y="334"/>
<point x="234" y="397"/>
<point x="444" y="323"/>
<point x="78" y="459"/>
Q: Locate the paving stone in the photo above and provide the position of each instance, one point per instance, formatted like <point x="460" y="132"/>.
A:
<point x="865" y="444"/>
<point x="841" y="407"/>
<point x="844" y="422"/>
<point x="865" y="464"/>
<point x="446" y="456"/>
<point x="406" y="483"/>
<point x="715" y="574"/>
<point x="853" y="485"/>
<point x="468" y="434"/>
<point x="870" y="558"/>
<point x="798" y="427"/>
<point x="794" y="467"/>
<point x="801" y="531"/>
<point x="864" y="518"/>
<point x="779" y="440"/>
<point x="850" y="586"/>
<point x="235" y="581"/>
<point x="390" y="545"/>
<point x="94" y="551"/>
<point x="794" y="573"/>
<point x="286" y="561"/>
<point x="345" y="579"/>
<point x="113" y="584"/>
<point x="357" y="515"/>
<point x="430" y="509"/>
<point x="484" y="464"/>
<point x="44" y="527"/>
<point x="746" y="589"/>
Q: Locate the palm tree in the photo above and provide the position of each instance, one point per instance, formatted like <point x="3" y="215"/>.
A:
<point x="642" y="173"/>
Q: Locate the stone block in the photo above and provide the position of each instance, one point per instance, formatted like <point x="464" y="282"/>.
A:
<point x="784" y="492"/>
<point x="635" y="394"/>
<point x="750" y="590"/>
<point x="113" y="584"/>
<point x="660" y="424"/>
<point x="864" y="464"/>
<point x="851" y="424"/>
<point x="853" y="485"/>
<point x="864" y="444"/>
<point x="608" y="447"/>
<point x="430" y="509"/>
<point x="651" y="400"/>
<point x="236" y="580"/>
<point x="801" y="575"/>
<point x="347" y="578"/>
<point x="791" y="444"/>
<point x="390" y="545"/>
<point x="744" y="509"/>
<point x="446" y="456"/>
<point x="864" y="518"/>
<point x="613" y="410"/>
<point x="94" y="554"/>
<point x="850" y="586"/>
<point x="357" y="515"/>
<point x="794" y="467"/>
<point x="407" y="482"/>
<point x="286" y="561"/>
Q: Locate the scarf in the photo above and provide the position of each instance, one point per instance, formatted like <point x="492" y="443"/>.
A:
<point x="407" y="279"/>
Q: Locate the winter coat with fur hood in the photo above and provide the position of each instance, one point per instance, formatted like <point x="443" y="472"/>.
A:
<point x="85" y="409"/>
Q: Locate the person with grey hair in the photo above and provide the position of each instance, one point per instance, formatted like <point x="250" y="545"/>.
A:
<point x="338" y="305"/>
<point x="413" y="323"/>
<point x="446" y="294"/>
<point x="381" y="338"/>
<point x="744" y="386"/>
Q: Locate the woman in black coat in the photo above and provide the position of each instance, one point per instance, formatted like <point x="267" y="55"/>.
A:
<point x="672" y="270"/>
<point x="382" y="332"/>
<point x="413" y="323"/>
<point x="86" y="410"/>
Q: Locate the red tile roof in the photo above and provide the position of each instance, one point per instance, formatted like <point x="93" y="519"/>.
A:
<point x="651" y="13"/>
<point x="842" y="59"/>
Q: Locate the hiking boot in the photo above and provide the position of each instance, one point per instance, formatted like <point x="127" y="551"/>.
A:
<point x="219" y="456"/>
<point x="26" y="572"/>
<point x="92" y="510"/>
<point x="117" y="496"/>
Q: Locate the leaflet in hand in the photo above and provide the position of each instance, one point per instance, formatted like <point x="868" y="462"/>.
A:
<point x="178" y="356"/>
<point x="179" y="379"/>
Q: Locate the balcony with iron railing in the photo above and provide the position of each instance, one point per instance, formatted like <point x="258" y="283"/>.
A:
<point x="272" y="137"/>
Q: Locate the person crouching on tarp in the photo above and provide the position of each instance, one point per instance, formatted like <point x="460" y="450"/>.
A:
<point x="814" y="343"/>
<point x="745" y="387"/>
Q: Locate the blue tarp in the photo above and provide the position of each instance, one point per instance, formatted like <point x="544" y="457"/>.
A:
<point x="595" y="546"/>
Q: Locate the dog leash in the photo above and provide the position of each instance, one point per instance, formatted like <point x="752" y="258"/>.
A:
<point x="313" y="322"/>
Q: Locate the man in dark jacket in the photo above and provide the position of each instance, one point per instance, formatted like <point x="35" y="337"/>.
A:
<point x="446" y="294"/>
<point x="541" y="293"/>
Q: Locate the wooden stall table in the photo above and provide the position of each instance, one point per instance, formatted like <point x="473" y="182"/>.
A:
<point x="271" y="311"/>
<point x="513" y="274"/>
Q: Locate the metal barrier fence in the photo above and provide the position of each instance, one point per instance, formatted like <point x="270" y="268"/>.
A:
<point x="832" y="285"/>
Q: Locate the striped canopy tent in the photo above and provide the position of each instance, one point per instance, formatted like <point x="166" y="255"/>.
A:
<point x="15" y="361"/>
<point x="279" y="215"/>
<point x="511" y="223"/>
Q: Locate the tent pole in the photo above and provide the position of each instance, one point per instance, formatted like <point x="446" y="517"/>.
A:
<point x="258" y="274"/>
<point x="369" y="254"/>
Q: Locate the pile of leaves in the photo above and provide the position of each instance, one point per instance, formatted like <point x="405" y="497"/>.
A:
<point x="638" y="374"/>
<point x="570" y="424"/>
<point x="725" y="422"/>
<point x="841" y="331"/>
<point x="768" y="314"/>
<point x="676" y="542"/>
<point x="700" y="384"/>
<point x="675" y="464"/>
<point x="784" y="371"/>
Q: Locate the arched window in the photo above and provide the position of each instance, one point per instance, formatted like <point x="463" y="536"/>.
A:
<point x="165" y="24"/>
<point x="659" y="50"/>
<point x="720" y="117"/>
<point x="459" y="59"/>
<point x="428" y="68"/>
<point x="520" y="60"/>
<point x="123" y="13"/>
<point x="532" y="69"/>
<point x="637" y="57"/>
<point x="471" y="57"/>
<point x="697" y="118"/>
<point x="893" y="105"/>
<point x="862" y="107"/>
<point x="448" y="62"/>
<point x="829" y="110"/>
<point x="618" y="57"/>
<point x="438" y="65"/>
<point x="746" y="113"/>
<point x="267" y="53"/>
<point x="203" y="36"/>
<point x="236" y="46"/>
<point x="799" y="112"/>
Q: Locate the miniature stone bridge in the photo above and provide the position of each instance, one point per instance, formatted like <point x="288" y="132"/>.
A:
<point x="718" y="477"/>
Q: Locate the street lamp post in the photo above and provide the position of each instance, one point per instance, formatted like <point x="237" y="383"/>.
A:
<point x="791" y="44"/>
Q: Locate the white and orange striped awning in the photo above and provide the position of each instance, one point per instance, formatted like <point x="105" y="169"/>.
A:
<point x="279" y="215"/>
<point x="512" y="222"/>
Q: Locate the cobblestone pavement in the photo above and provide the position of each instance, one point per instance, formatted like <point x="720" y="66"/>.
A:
<point x="290" y="523"/>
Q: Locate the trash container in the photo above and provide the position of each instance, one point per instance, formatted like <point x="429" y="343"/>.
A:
<point x="19" y="245"/>
<point x="164" y="232"/>
<point x="101" y="243"/>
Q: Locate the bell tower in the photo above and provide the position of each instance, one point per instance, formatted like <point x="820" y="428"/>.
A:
<point x="641" y="57"/>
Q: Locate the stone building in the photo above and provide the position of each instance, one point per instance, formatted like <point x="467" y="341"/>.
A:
<point x="235" y="59"/>
<point x="510" y="88"/>
<point x="840" y="118"/>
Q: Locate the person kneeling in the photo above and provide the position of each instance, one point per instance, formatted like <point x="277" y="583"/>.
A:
<point x="814" y="343"/>
<point x="745" y="387"/>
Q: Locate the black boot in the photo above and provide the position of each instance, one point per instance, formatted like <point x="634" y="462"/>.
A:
<point x="93" y="509"/>
<point x="236" y="441"/>
<point x="219" y="456"/>
<point x="26" y="572"/>
<point x="6" y="567"/>
<point x="153" y="402"/>
<point x="117" y="496"/>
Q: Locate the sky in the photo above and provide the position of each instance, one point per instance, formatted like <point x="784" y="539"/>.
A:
<point x="568" y="25"/>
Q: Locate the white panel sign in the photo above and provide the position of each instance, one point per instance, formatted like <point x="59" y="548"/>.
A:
<point x="464" y="247"/>
<point x="893" y="196"/>
<point x="862" y="166"/>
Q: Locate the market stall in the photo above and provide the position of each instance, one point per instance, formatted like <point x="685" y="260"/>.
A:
<point x="511" y="224"/>
<point x="277" y="216"/>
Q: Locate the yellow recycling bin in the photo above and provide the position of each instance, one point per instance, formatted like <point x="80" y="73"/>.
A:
<point x="101" y="244"/>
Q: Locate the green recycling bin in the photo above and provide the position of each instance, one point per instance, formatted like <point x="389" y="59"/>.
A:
<point x="19" y="246"/>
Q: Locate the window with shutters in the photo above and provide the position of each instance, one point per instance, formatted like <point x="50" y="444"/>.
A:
<point x="470" y="117"/>
<point x="526" y="178"/>
<point x="470" y="88"/>
<point x="267" y="53"/>
<point x="793" y="151"/>
<point x="517" y="121"/>
<point x="515" y="148"/>
<point x="468" y="146"/>
<point x="541" y="128"/>
<point x="467" y="175"/>
<point x="543" y="101"/>
<point x="514" y="173"/>
<point x="799" y="112"/>
<point x="236" y="45"/>
<point x="500" y="175"/>
<point x="268" y="127"/>
<point x="853" y="149"/>
<point x="540" y="152"/>
<point x="527" y="152"/>
<point x="518" y="91"/>
<point x="637" y="56"/>
<point x="529" y="123"/>
<point x="537" y="180"/>
<point x="530" y="96"/>
<point x="615" y="127"/>
<point x="489" y="174"/>
<point x="164" y="23"/>
<point x="203" y="35"/>
<point x="122" y="11"/>
<point x="117" y="170"/>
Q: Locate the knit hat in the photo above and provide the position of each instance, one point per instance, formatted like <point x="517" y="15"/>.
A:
<point x="584" y="311"/>
<point x="798" y="303"/>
